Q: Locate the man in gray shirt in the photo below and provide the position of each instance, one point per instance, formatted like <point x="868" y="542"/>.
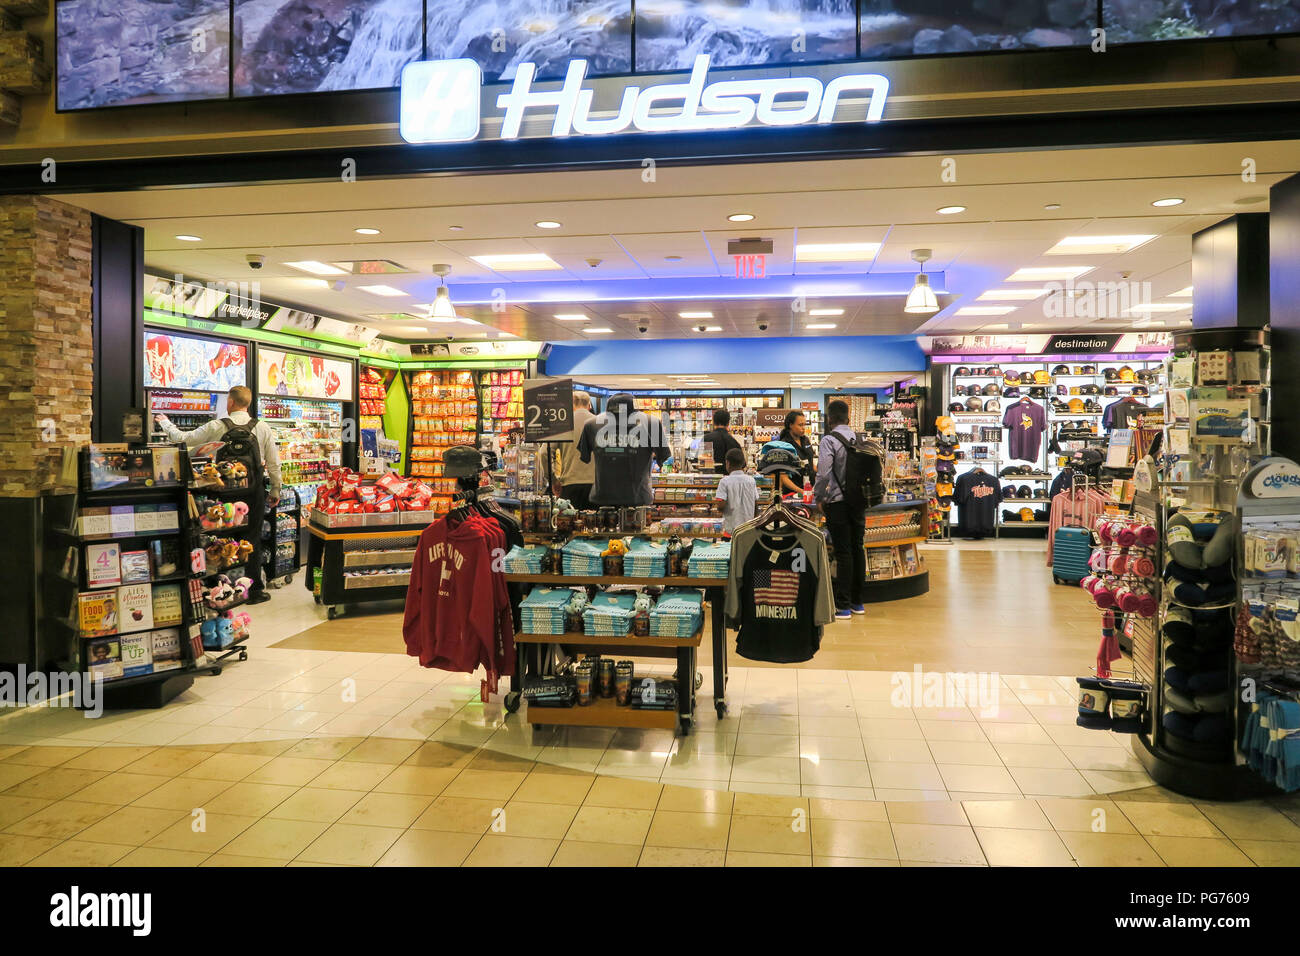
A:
<point x="846" y="523"/>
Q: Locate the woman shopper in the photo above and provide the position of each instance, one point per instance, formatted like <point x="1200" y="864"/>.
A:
<point x="795" y="433"/>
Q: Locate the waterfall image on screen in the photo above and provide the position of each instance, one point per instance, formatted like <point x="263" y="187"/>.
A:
<point x="671" y="33"/>
<point x="501" y="34"/>
<point x="898" y="28"/>
<point x="308" y="46"/>
<point x="1143" y="21"/>
<point x="123" y="52"/>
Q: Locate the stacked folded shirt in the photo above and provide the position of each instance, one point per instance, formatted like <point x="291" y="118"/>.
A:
<point x="582" y="558"/>
<point x="645" y="559"/>
<point x="610" y="614"/>
<point x="654" y="693"/>
<point x="524" y="560"/>
<point x="542" y="612"/>
<point x="559" y="691"/>
<point x="690" y="526"/>
<point x="709" y="560"/>
<point x="679" y="613"/>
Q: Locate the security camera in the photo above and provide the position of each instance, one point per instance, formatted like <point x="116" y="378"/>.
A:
<point x="643" y="328"/>
<point x="451" y="338"/>
<point x="594" y="262"/>
<point x="255" y="260"/>
<point x="701" y="328"/>
<point x="762" y="325"/>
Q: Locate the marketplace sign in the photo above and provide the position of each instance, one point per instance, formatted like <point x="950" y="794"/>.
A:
<point x="1060" y="344"/>
<point x="442" y="102"/>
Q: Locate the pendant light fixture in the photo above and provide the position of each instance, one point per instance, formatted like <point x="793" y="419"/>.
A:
<point x="921" y="299"/>
<point x="442" y="307"/>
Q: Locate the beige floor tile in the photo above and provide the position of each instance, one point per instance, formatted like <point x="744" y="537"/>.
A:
<point x="18" y="850"/>
<point x="898" y="751"/>
<point x="313" y="803"/>
<point x="458" y="814"/>
<point x="833" y="748"/>
<point x="852" y="838"/>
<point x="769" y="745"/>
<point x="1193" y="851"/>
<point x="346" y="844"/>
<point x="946" y="813"/>
<point x="133" y="826"/>
<point x="250" y="799"/>
<point x="578" y="853"/>
<point x="906" y="776"/>
<point x="497" y="849"/>
<point x="1019" y="847"/>
<point x="182" y="793"/>
<point x="60" y="821"/>
<point x="549" y="821"/>
<point x="168" y="761"/>
<point x="152" y="856"/>
<point x="931" y="843"/>
<point x="696" y="799"/>
<point x="1006" y="814"/>
<point x="870" y="811"/>
<point x="13" y="809"/>
<point x="437" y="753"/>
<point x="1171" y="819"/>
<point x="777" y="834"/>
<point x="1043" y="781"/>
<point x="227" y="766"/>
<point x="485" y="784"/>
<point x="1262" y="852"/>
<point x="1098" y="815"/>
<point x="596" y="824"/>
<point x="352" y="776"/>
<point x="275" y="839"/>
<point x="1110" y="849"/>
<point x="748" y="858"/>
<point x="769" y="805"/>
<point x="1015" y="734"/>
<point x="323" y="748"/>
<point x="263" y="748"/>
<point x="241" y="862"/>
<point x="622" y="792"/>
<point x="1145" y="794"/>
<point x="410" y="779"/>
<point x="1033" y="755"/>
<point x="218" y="830"/>
<point x="1250" y="822"/>
<point x="953" y="730"/>
<point x="544" y="786"/>
<point x="897" y="795"/>
<point x="47" y="756"/>
<point x="681" y="857"/>
<point x="382" y="750"/>
<point x="851" y="861"/>
<point x="107" y="758"/>
<point x="701" y="831"/>
<point x="80" y="854"/>
<point x="883" y="728"/>
<point x="1103" y="758"/>
<point x="502" y="762"/>
<point x="981" y="779"/>
<point x="289" y="771"/>
<point x="964" y="752"/>
<point x="119" y="788"/>
<point x="429" y="848"/>
<point x="55" y="784"/>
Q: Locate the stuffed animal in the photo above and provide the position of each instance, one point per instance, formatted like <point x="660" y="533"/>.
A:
<point x="207" y="476"/>
<point x="208" y="630"/>
<point x="241" y="513"/>
<point x="244" y="549"/>
<point x="241" y="586"/>
<point x="214" y="553"/>
<point x="212" y="518"/>
<point x="240" y="624"/>
<point x="230" y="553"/>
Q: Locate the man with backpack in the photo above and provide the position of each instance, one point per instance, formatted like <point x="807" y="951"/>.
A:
<point x="252" y="443"/>
<point x="842" y="491"/>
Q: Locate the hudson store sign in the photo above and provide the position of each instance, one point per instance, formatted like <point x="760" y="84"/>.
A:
<point x="443" y="101"/>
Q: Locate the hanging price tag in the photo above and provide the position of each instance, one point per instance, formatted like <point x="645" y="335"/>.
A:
<point x="548" y="410"/>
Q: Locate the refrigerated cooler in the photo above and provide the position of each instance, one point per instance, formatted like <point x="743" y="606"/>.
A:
<point x="186" y="409"/>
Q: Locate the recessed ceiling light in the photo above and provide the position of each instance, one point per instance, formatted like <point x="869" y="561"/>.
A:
<point x="1012" y="294"/>
<point x="835" y="251"/>
<point x="985" y="310"/>
<point x="317" y="268"/>
<point x="547" y="224"/>
<point x="950" y="210"/>
<point x="696" y="315"/>
<point x="1158" y="307"/>
<point x="190" y="238"/>
<point x="1048" y="273"/>
<point x="1052" y="206"/>
<point x="825" y="311"/>
<point x="572" y="317"/>
<point x="385" y="290"/>
<point x="518" y="262"/>
<point x="820" y="325"/>
<point x="1096" y="245"/>
<point x="1183" y="293"/>
<point x="1168" y="202"/>
<point x="672" y="258"/>
<point x="601" y="331"/>
<point x="455" y="228"/>
<point x="366" y="232"/>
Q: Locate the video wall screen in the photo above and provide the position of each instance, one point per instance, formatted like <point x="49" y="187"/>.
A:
<point x="548" y="33"/>
<point x="126" y="52"/>
<point x="132" y="52"/>
<point x="320" y="46"/>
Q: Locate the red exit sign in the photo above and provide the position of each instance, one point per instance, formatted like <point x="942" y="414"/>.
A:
<point x="751" y="266"/>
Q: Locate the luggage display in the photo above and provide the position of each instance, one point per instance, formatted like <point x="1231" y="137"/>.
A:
<point x="1071" y="550"/>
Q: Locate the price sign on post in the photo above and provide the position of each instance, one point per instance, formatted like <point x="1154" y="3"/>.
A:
<point x="548" y="409"/>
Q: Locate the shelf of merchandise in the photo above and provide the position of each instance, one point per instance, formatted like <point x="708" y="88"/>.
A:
<point x="500" y="401"/>
<point x="604" y="712"/>
<point x="328" y="553"/>
<point x="372" y="399"/>
<point x="156" y="688"/>
<point x="444" y="412"/>
<point x="309" y="435"/>
<point x="603" y="641"/>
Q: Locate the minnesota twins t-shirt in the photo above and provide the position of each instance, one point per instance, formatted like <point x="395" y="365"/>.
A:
<point x="778" y="591"/>
<point x="1025" y="423"/>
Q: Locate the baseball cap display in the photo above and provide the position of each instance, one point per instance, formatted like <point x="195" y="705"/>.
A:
<point x="1024" y="491"/>
<point x="1076" y="405"/>
<point x="993" y="370"/>
<point x="1139" y="390"/>
<point x="1060" y="370"/>
<point x="960" y="389"/>
<point x="779" y="456"/>
<point x="1037" y="391"/>
<point x="1089" y="390"/>
<point x="1011" y="377"/>
<point x="1008" y="491"/>
<point x="1110" y="374"/>
<point x="1110" y="390"/>
<point x="1026" y="378"/>
<point x="1041" y="377"/>
<point x="992" y="388"/>
<point x="1011" y="391"/>
<point x="1145" y="375"/>
<point x="956" y="407"/>
<point x="1126" y="374"/>
<point x="962" y="370"/>
<point x="992" y="405"/>
<point x="1026" y="514"/>
<point x="973" y="405"/>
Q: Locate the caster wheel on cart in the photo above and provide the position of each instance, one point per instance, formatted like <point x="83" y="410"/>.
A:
<point x="721" y="708"/>
<point x="288" y="580"/>
<point x="699" y="680"/>
<point x="512" y="702"/>
<point x="686" y="726"/>
<point x="316" y="598"/>
<point x="331" y="612"/>
<point x="243" y="655"/>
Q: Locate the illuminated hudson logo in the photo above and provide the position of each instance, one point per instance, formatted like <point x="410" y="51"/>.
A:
<point x="437" y="97"/>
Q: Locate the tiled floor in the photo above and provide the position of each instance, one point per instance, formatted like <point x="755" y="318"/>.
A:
<point x="309" y="757"/>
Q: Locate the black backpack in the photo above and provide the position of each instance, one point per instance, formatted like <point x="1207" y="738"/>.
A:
<point x="862" y="482"/>
<point x="240" y="448"/>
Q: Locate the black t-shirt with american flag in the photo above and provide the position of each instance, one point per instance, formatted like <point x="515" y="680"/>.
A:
<point x="778" y="591"/>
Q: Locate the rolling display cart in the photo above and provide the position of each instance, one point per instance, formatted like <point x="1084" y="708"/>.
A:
<point x="281" y="538"/>
<point x="358" y="563"/>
